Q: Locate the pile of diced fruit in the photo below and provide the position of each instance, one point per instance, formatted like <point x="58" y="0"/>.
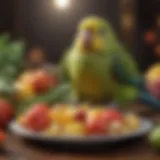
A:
<point x="81" y="120"/>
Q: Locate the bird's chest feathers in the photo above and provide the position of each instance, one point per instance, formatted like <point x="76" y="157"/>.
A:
<point x="90" y="74"/>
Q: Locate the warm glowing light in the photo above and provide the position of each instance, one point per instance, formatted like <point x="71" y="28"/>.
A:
<point x="62" y="3"/>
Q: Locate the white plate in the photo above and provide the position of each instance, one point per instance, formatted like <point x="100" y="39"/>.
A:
<point x="145" y="127"/>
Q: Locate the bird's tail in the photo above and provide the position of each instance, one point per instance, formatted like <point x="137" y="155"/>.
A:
<point x="149" y="100"/>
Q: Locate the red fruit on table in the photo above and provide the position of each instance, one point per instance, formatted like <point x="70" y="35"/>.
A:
<point x="6" y="113"/>
<point x="43" y="81"/>
<point x="37" y="119"/>
<point x="81" y="115"/>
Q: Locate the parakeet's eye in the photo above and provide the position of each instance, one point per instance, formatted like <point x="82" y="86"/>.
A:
<point x="102" y="31"/>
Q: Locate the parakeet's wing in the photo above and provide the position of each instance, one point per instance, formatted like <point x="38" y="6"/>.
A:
<point x="126" y="71"/>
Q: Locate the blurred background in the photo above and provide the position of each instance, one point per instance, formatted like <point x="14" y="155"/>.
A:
<point x="50" y="25"/>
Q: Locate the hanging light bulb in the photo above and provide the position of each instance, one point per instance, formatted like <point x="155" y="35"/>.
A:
<point x="62" y="4"/>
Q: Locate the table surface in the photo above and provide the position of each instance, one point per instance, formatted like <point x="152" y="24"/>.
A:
<point x="17" y="149"/>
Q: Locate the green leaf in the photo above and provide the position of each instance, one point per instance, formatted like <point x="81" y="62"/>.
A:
<point x="12" y="60"/>
<point x="15" y="52"/>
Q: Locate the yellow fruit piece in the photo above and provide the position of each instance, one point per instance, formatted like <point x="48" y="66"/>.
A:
<point x="54" y="130"/>
<point x="94" y="112"/>
<point x="23" y="86"/>
<point x="26" y="77"/>
<point x="63" y="115"/>
<point x="20" y="119"/>
<point x="153" y="73"/>
<point x="74" y="129"/>
<point x="57" y="114"/>
<point x="116" y="128"/>
<point x="70" y="112"/>
<point x="132" y="121"/>
<point x="24" y="91"/>
<point x="51" y="114"/>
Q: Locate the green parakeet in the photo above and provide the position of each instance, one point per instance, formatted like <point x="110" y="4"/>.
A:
<point x="99" y="68"/>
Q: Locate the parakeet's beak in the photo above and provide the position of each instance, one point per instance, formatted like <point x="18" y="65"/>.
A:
<point x="90" y="42"/>
<point x="87" y="40"/>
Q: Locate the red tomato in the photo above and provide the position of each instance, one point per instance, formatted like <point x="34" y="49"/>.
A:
<point x="6" y="112"/>
<point x="37" y="119"/>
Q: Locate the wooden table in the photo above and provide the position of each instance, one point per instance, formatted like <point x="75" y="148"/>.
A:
<point x="135" y="150"/>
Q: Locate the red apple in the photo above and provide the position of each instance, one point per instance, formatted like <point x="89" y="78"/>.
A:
<point x="43" y="81"/>
<point x="6" y="112"/>
<point x="37" y="119"/>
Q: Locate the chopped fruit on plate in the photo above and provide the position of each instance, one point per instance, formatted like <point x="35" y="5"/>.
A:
<point x="132" y="121"/>
<point x="37" y="118"/>
<point x="68" y="120"/>
<point x="74" y="129"/>
<point x="54" y="129"/>
<point x="94" y="112"/>
<point x="110" y="115"/>
<point x="81" y="115"/>
<point x="62" y="114"/>
<point x="116" y="127"/>
<point x="96" y="126"/>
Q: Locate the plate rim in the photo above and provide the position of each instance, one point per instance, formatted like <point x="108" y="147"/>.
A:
<point x="80" y="139"/>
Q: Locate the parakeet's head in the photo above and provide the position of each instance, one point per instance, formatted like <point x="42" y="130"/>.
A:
<point x="94" y="35"/>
